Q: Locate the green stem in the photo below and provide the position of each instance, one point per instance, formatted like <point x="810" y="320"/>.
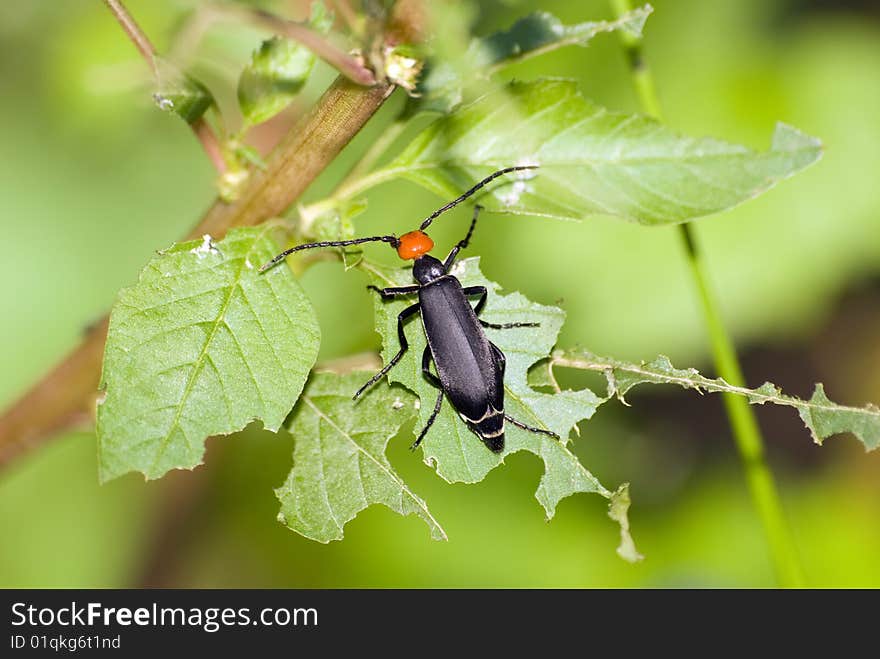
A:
<point x="353" y="186"/>
<point x="638" y="67"/>
<point x="743" y="423"/>
<point x="374" y="152"/>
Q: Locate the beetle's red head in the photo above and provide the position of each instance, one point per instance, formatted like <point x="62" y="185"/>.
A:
<point x="414" y="244"/>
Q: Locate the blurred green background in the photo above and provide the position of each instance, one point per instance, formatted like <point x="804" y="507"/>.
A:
<point x="94" y="178"/>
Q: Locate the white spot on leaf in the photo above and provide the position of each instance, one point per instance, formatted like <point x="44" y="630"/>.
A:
<point x="207" y="247"/>
<point x="511" y="194"/>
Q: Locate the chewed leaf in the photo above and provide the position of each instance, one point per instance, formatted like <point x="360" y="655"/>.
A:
<point x="457" y="454"/>
<point x="275" y="75"/>
<point x="541" y="31"/>
<point x="277" y="72"/>
<point x="592" y="161"/>
<point x="201" y="345"/>
<point x="822" y="417"/>
<point x="333" y="221"/>
<point x="825" y="419"/>
<point x="339" y="463"/>
<point x="441" y="88"/>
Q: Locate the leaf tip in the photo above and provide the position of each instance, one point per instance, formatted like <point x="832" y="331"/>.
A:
<point x="633" y="23"/>
<point x="789" y="139"/>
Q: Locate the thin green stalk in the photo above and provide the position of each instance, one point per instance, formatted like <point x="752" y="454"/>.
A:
<point x="743" y="423"/>
<point x="355" y="185"/>
<point x="376" y="150"/>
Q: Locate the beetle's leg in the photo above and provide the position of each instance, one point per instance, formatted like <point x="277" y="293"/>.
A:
<point x="394" y="291"/>
<point x="484" y="294"/>
<point x="401" y="317"/>
<point x="477" y="290"/>
<point x="507" y="325"/>
<point x="430" y="423"/>
<point x="501" y="361"/>
<point x="426" y="368"/>
<point x="520" y="424"/>
<point x="433" y="379"/>
<point x="450" y="258"/>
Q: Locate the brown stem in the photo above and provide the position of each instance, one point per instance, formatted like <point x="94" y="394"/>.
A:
<point x="210" y="144"/>
<point x="68" y="392"/>
<point x="200" y="127"/>
<point x="308" y="148"/>
<point x="133" y="30"/>
<point x="59" y="400"/>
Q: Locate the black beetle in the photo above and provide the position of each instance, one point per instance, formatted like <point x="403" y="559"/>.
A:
<point x="470" y="368"/>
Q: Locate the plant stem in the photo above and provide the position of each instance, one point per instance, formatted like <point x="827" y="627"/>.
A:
<point x="373" y="153"/>
<point x="205" y="134"/>
<point x="746" y="432"/>
<point x="349" y="66"/>
<point x="638" y="67"/>
<point x="68" y="392"/>
<point x="141" y="41"/>
<point x="355" y="185"/>
<point x="309" y="147"/>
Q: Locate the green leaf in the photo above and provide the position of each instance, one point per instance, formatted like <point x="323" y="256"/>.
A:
<point x="202" y="345"/>
<point x="441" y="87"/>
<point x="592" y="161"/>
<point x="275" y="75"/>
<point x="455" y="452"/>
<point x="542" y="32"/>
<point x="277" y="72"/>
<point x="180" y="93"/>
<point x="331" y="219"/>
<point x="822" y="417"/>
<point x="339" y="460"/>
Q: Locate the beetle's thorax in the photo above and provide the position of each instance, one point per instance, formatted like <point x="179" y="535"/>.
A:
<point x="426" y="269"/>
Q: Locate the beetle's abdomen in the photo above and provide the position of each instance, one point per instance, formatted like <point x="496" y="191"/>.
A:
<point x="490" y="429"/>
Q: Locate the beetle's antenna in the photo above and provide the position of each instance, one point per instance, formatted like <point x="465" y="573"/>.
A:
<point x="455" y="202"/>
<point x="330" y="243"/>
